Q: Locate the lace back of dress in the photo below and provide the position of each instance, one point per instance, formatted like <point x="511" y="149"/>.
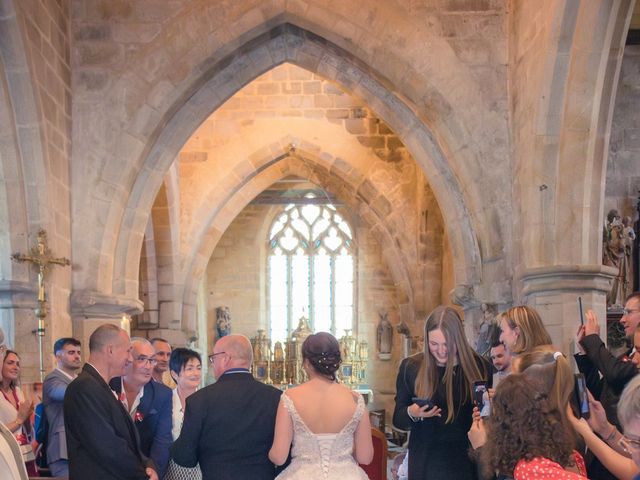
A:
<point x="327" y="449"/>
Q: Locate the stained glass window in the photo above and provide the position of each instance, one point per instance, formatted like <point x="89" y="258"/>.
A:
<point x="311" y="270"/>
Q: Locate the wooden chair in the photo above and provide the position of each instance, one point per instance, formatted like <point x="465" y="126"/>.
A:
<point x="377" y="469"/>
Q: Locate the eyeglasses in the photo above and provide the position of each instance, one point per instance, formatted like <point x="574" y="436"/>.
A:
<point x="143" y="359"/>
<point x="213" y="356"/>
<point x="629" y="311"/>
<point x="630" y="445"/>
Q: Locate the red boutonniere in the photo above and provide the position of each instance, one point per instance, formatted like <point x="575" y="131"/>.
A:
<point x="138" y="417"/>
<point x="122" y="397"/>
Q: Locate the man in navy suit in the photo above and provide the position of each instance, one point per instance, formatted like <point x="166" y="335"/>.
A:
<point x="67" y="352"/>
<point x="228" y="426"/>
<point x="149" y="403"/>
<point x="102" y="440"/>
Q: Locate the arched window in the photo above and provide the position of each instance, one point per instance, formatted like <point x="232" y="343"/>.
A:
<point x="311" y="270"/>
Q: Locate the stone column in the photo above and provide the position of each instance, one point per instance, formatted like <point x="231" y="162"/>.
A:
<point x="18" y="321"/>
<point x="90" y="309"/>
<point x="554" y="291"/>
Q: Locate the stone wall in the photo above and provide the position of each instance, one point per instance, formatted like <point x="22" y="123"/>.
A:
<point x="623" y="166"/>
<point x="236" y="277"/>
<point x="36" y="62"/>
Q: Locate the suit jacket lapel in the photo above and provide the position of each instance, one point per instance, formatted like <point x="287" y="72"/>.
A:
<point x="133" y="431"/>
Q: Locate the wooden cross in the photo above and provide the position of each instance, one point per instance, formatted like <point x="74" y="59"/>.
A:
<point x="40" y="256"/>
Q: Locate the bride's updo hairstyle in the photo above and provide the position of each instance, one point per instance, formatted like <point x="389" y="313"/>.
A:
<point x="323" y="352"/>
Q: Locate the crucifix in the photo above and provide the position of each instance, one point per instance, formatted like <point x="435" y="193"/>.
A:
<point x="40" y="257"/>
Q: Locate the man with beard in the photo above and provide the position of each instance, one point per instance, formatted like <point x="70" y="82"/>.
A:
<point x="67" y="353"/>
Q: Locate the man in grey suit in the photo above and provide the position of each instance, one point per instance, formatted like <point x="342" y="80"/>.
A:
<point x="67" y="352"/>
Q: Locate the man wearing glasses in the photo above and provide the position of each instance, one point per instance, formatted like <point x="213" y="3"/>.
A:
<point x="149" y="403"/>
<point x="228" y="426"/>
<point x="606" y="374"/>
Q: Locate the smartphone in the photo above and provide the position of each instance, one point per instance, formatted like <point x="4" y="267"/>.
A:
<point x="582" y="398"/>
<point x="581" y="311"/>
<point x="421" y="402"/>
<point x="481" y="398"/>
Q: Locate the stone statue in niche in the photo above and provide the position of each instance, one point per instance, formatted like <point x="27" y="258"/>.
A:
<point x="487" y="324"/>
<point x="223" y="321"/>
<point x="616" y="252"/>
<point x="629" y="236"/>
<point x="384" y="337"/>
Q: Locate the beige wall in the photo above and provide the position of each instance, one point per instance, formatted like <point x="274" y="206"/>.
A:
<point x="236" y="278"/>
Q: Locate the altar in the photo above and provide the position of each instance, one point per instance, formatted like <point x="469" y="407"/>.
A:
<point x="281" y="365"/>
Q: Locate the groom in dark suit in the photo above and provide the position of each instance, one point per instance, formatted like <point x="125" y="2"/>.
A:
<point x="102" y="440"/>
<point x="228" y="426"/>
<point x="149" y="403"/>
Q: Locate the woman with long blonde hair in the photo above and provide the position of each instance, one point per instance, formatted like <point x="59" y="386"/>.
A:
<point x="522" y="329"/>
<point x="444" y="374"/>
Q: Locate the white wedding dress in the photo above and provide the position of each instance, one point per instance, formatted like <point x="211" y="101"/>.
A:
<point x="325" y="456"/>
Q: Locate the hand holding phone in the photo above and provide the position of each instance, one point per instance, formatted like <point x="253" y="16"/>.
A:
<point x="582" y="396"/>
<point x="481" y="398"/>
<point x="581" y="311"/>
<point x="421" y="402"/>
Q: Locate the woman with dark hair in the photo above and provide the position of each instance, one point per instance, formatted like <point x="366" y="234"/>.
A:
<point x="15" y="410"/>
<point x="526" y="438"/>
<point x="327" y="422"/>
<point x="185" y="366"/>
<point x="444" y="375"/>
<point x="522" y="329"/>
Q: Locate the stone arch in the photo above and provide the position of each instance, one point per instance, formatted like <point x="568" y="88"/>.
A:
<point x="22" y="147"/>
<point x="572" y="124"/>
<point x="306" y="165"/>
<point x="294" y="45"/>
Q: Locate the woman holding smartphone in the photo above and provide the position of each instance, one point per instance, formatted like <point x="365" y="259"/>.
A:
<point x="444" y="374"/>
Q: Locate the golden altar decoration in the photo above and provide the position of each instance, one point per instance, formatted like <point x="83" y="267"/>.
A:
<point x="282" y="364"/>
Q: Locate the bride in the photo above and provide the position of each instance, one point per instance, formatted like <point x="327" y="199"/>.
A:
<point x="327" y="423"/>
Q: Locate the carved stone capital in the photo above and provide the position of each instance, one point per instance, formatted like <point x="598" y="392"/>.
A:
<point x="96" y="304"/>
<point x="567" y="278"/>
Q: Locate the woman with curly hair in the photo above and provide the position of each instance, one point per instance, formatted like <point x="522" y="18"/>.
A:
<point x="327" y="423"/>
<point x="526" y="438"/>
<point x="522" y="329"/>
<point x="444" y="373"/>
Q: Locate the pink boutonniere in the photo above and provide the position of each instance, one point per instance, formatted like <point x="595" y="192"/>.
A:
<point x="138" y="417"/>
<point x="122" y="397"/>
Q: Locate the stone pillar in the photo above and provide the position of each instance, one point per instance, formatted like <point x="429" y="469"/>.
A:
<point x="18" y="321"/>
<point x="90" y="309"/>
<point x="554" y="291"/>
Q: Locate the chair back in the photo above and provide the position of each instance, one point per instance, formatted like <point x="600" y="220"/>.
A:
<point x="377" y="469"/>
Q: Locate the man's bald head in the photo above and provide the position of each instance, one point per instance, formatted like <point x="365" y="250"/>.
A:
<point x="104" y="335"/>
<point x="238" y="348"/>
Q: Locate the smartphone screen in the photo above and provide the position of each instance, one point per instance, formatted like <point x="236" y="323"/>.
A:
<point x="481" y="398"/>
<point x="581" y="395"/>
<point x="581" y="311"/>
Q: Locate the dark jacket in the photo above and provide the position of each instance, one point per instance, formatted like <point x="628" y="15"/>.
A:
<point x="102" y="441"/>
<point x="606" y="374"/>
<point x="228" y="429"/>
<point x="154" y="429"/>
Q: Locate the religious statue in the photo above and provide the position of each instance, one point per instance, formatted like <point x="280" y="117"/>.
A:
<point x="487" y="325"/>
<point x="384" y="337"/>
<point x="223" y="321"/>
<point x="615" y="246"/>
<point x="629" y="235"/>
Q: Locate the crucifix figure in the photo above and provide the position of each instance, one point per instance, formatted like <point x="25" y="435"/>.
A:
<point x="41" y="258"/>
